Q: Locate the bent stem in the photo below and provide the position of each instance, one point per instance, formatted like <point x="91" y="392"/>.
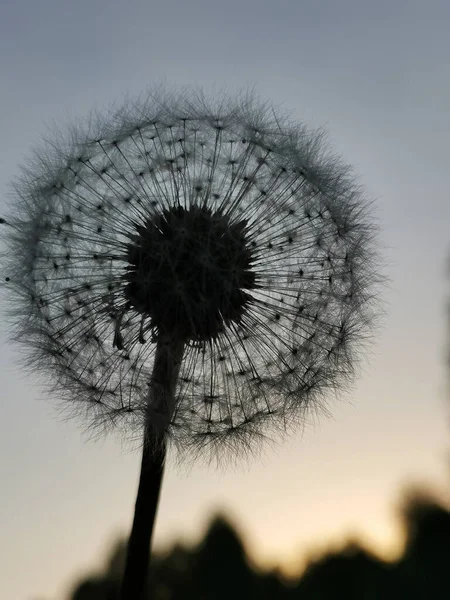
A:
<point x="160" y="408"/>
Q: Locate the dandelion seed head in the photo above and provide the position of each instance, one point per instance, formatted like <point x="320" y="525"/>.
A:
<point x="217" y="225"/>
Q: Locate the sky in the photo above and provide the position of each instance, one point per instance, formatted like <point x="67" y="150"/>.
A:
<point x="377" y="77"/>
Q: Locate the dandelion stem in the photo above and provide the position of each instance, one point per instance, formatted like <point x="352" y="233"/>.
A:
<point x="138" y="553"/>
<point x="161" y="403"/>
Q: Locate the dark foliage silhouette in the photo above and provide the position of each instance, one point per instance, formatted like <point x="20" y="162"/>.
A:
<point x="218" y="568"/>
<point x="351" y="573"/>
<point x="426" y="562"/>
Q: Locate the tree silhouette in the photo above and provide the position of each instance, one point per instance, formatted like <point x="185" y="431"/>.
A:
<point x="221" y="551"/>
<point x="350" y="573"/>
<point x="218" y="568"/>
<point x="426" y="560"/>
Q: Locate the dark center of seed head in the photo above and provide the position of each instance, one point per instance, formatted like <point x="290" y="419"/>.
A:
<point x="188" y="270"/>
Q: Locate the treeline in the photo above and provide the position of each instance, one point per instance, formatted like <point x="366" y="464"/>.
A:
<point x="218" y="569"/>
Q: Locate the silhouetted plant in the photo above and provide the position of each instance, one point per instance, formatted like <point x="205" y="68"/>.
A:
<point x="426" y="558"/>
<point x="221" y="546"/>
<point x="96" y="589"/>
<point x="351" y="573"/>
<point x="198" y="271"/>
<point x="219" y="568"/>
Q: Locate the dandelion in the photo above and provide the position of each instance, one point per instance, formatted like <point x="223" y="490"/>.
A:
<point x="199" y="272"/>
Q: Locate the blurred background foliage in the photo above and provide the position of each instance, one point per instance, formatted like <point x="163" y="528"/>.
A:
<point x="218" y="568"/>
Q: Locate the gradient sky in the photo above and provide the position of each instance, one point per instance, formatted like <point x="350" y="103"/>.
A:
<point x="377" y="76"/>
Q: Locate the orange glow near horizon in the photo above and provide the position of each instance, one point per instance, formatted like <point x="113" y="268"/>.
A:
<point x="383" y="538"/>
